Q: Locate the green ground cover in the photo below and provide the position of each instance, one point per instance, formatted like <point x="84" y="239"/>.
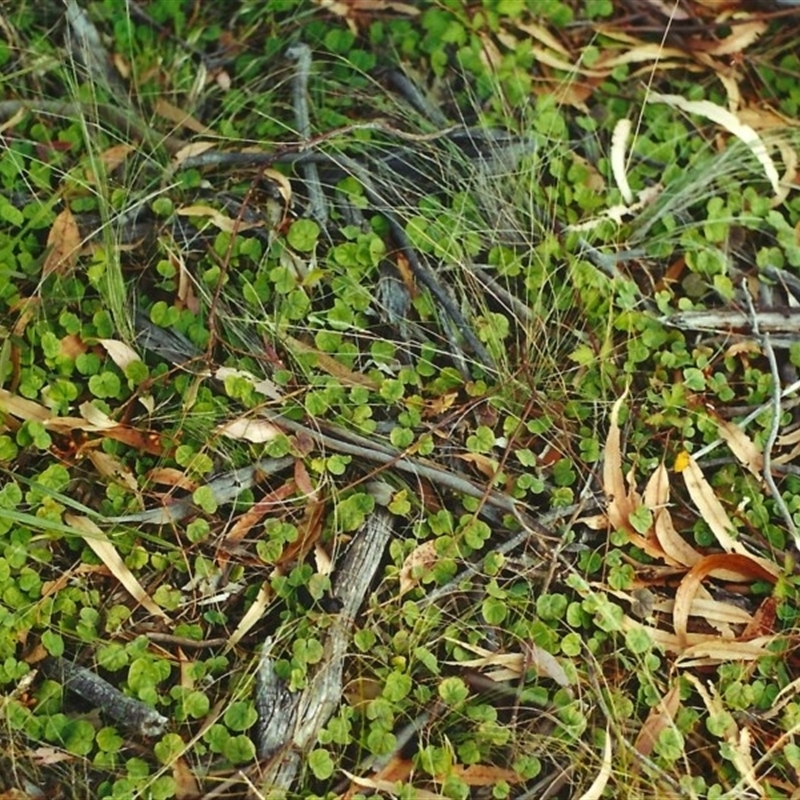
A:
<point x="518" y="280"/>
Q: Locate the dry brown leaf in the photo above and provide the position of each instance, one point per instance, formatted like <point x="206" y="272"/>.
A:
<point x="185" y="291"/>
<point x="738" y="739"/>
<point x="546" y="664"/>
<point x="765" y="118"/>
<point x="764" y="620"/>
<point x="550" y="59"/>
<point x="169" y="476"/>
<point x="111" y="468"/>
<point x="44" y="756"/>
<point x="14" y="120"/>
<point x="506" y="666"/>
<point x="283" y="184"/>
<point x="701" y="649"/>
<point x="115" y="155"/>
<point x="248" y="429"/>
<point x="186" y="786"/>
<point x="63" y="243"/>
<point x="543" y="35"/>
<point x="619" y="506"/>
<point x="261" y="385"/>
<point x="739" y="39"/>
<point x="790" y="163"/>
<point x="491" y="55"/>
<point x="639" y="54"/>
<point x="511" y="665"/>
<point x="388" y="787"/>
<point x="191" y="150"/>
<point x="309" y="530"/>
<point x="421" y="558"/>
<point x="72" y="346"/>
<point x="742" y="446"/>
<point x="252" y="615"/>
<point x="661" y="717"/>
<point x="485" y="774"/>
<point x="96" y="421"/>
<point x="22" y="408"/>
<point x="656" y="497"/>
<point x="250" y="518"/>
<point x="111" y="159"/>
<point x="619" y="161"/>
<point x="486" y="465"/>
<point x="122" y="354"/>
<point x="733" y="562"/>
<point x="713" y="513"/>
<point x="181" y="118"/>
<point x="103" y="548"/>
<point x="329" y="364"/>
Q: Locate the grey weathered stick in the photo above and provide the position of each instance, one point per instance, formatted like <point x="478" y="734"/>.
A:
<point x="317" y="205"/>
<point x="784" y="321"/>
<point x="89" y="48"/>
<point x="292" y="723"/>
<point x="119" y="116"/>
<point x="127" y="711"/>
<point x="775" y="425"/>
<point x="382" y="454"/>
<point x="225" y="487"/>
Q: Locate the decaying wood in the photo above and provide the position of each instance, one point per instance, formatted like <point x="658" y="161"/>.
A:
<point x="133" y="714"/>
<point x="785" y="320"/>
<point x="289" y="723"/>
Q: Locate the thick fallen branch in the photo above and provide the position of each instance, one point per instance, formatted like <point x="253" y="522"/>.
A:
<point x="289" y="723"/>
<point x="127" y="711"/>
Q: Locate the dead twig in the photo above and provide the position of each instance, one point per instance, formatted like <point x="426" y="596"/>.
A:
<point x="775" y="424"/>
<point x="317" y="204"/>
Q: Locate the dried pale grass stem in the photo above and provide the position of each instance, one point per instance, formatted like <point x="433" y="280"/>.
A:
<point x="772" y="437"/>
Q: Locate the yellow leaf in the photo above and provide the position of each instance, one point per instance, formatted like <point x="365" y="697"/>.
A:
<point x="682" y="461"/>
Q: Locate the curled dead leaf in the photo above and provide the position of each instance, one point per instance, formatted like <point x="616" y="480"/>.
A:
<point x="745" y="565"/>
<point x="64" y="243"/>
